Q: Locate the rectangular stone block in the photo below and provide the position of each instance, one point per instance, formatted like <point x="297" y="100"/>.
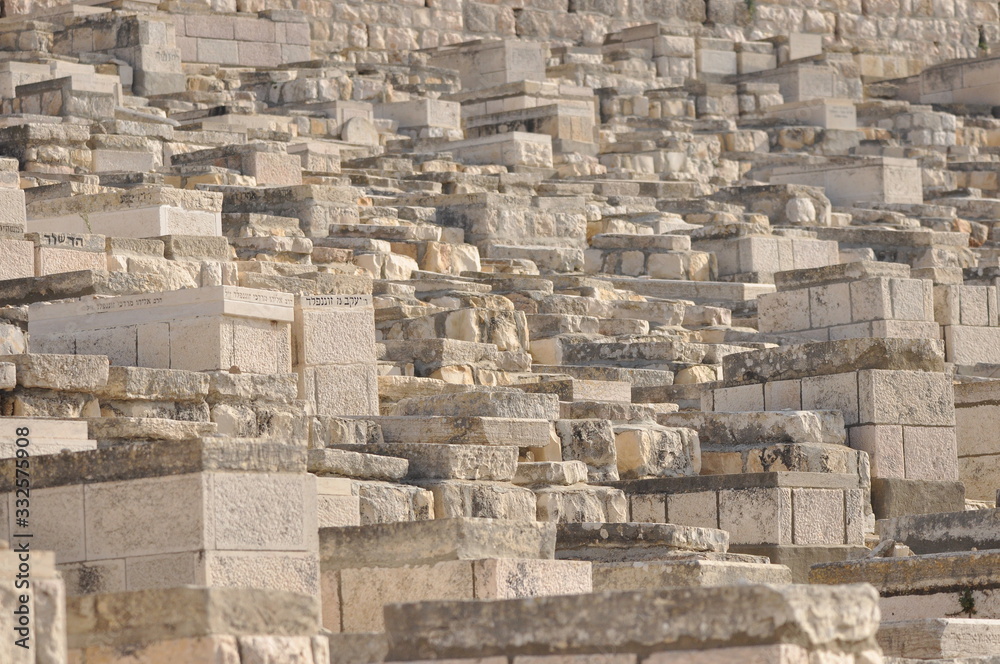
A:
<point x="826" y="113"/>
<point x="648" y="621"/>
<point x="128" y="618"/>
<point x="756" y="516"/>
<point x="834" y="392"/>
<point x="834" y="357"/>
<point x="211" y="328"/>
<point x="905" y="397"/>
<point x="17" y="259"/>
<point x="364" y="592"/>
<point x="427" y="542"/>
<point x="876" y="180"/>
<point x="892" y="497"/>
<point x="967" y="345"/>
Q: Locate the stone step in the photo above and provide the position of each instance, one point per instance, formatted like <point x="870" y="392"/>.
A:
<point x="490" y="500"/>
<point x="430" y="356"/>
<point x="790" y="457"/>
<point x="110" y="431"/>
<point x="940" y="638"/>
<point x="429" y="461"/>
<point x="643" y="353"/>
<point x="655" y="451"/>
<point x="60" y="372"/>
<point x="631" y="542"/>
<point x="580" y="504"/>
<point x="617" y="576"/>
<point x="573" y="389"/>
<point x="385" y="232"/>
<point x="543" y="326"/>
<point x="636" y="377"/>
<point x="131" y="620"/>
<point x="43" y="428"/>
<point x="433" y="541"/>
<point x="833" y="357"/>
<point x="606" y="410"/>
<point x="952" y="572"/>
<point x="507" y="330"/>
<point x="347" y="463"/>
<point x="473" y="430"/>
<point x="716" y="293"/>
<point x="43" y="436"/>
<point x="683" y="622"/>
<point x="944" y="531"/>
<point x="361" y="593"/>
<point x="563" y="473"/>
<point x="641" y="242"/>
<point x="722" y="429"/>
<point x="490" y="402"/>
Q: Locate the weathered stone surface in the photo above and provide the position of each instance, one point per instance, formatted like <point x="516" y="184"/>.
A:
<point x="760" y="428"/>
<point x="613" y="542"/>
<point x="345" y="463"/>
<point x="463" y="462"/>
<point x="892" y="497"/>
<point x="834" y="357"/>
<point x="465" y="431"/>
<point x="684" y="573"/>
<point x="506" y="403"/>
<point x="158" y="459"/>
<point x="916" y="575"/>
<point x="946" y="531"/>
<point x="141" y="616"/>
<point x="427" y="542"/>
<point x="939" y="638"/>
<point x="640" y="622"/>
<point x="550" y="472"/>
<point x="83" y="373"/>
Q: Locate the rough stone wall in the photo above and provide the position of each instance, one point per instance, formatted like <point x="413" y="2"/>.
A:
<point x="915" y="33"/>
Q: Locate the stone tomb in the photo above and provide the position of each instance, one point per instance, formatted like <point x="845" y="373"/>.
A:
<point x="334" y="353"/>
<point x="365" y="568"/>
<point x="141" y="212"/>
<point x="970" y="324"/>
<point x="848" y="181"/>
<point x="896" y="398"/>
<point x="483" y="64"/>
<point x="826" y="113"/>
<point x="850" y="300"/>
<point x="964" y="82"/>
<point x="204" y="329"/>
<point x="213" y="512"/>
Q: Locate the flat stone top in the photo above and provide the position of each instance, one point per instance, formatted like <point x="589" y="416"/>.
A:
<point x="62" y="285"/>
<point x="145" y="616"/>
<point x="916" y="575"/>
<point x="642" y="622"/>
<point x="760" y="428"/>
<point x="740" y="481"/>
<point x="92" y="312"/>
<point x="429" y="542"/>
<point x="945" y="531"/>
<point x="826" y="358"/>
<point x="848" y="163"/>
<point x="839" y="273"/>
<point x="986" y="393"/>
<point x="608" y="542"/>
<point x="157" y="459"/>
<point x="131" y="199"/>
